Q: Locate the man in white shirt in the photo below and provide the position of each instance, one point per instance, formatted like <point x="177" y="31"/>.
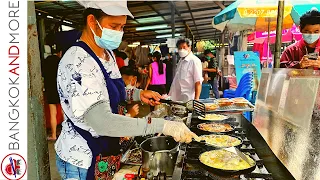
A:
<point x="187" y="82"/>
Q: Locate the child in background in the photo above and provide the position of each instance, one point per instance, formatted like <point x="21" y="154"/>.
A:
<point x="130" y="77"/>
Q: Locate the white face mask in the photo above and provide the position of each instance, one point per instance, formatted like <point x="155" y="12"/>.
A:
<point x="183" y="53"/>
<point x="130" y="86"/>
<point x="310" y="38"/>
<point x="110" y="39"/>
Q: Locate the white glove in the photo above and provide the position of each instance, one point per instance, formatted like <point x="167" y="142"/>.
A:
<point x="179" y="131"/>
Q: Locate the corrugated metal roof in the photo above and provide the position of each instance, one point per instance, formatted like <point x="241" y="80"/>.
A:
<point x="195" y="14"/>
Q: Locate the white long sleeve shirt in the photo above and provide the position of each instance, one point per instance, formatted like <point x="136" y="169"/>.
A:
<point x="81" y="84"/>
<point x="189" y="71"/>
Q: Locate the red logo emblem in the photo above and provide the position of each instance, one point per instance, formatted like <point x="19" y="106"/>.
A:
<point x="13" y="166"/>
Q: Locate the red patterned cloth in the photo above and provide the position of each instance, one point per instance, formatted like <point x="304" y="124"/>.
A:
<point x="106" y="167"/>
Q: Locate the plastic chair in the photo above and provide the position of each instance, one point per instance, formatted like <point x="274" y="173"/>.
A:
<point x="205" y="91"/>
<point x="246" y="78"/>
<point x="245" y="84"/>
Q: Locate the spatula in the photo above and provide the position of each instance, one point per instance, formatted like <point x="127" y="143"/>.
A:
<point x="244" y="157"/>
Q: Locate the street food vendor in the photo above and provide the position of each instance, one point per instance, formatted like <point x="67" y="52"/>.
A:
<point x="90" y="88"/>
<point x="305" y="53"/>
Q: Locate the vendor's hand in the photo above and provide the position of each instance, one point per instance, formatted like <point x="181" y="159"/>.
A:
<point x="179" y="131"/>
<point x="305" y="62"/>
<point x="150" y="97"/>
<point x="134" y="110"/>
<point x="316" y="63"/>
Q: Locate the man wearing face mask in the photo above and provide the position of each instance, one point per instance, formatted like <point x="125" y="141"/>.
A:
<point x="187" y="81"/>
<point x="91" y="90"/>
<point x="305" y="53"/>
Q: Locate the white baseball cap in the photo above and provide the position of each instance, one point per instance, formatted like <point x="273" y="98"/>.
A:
<point x="112" y="8"/>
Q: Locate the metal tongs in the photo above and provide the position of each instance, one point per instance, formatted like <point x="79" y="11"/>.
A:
<point x="193" y="105"/>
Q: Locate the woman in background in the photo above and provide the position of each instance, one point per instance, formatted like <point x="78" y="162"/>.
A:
<point x="157" y="75"/>
<point x="51" y="92"/>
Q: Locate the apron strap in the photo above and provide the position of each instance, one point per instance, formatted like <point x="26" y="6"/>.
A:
<point x="94" y="56"/>
<point x="115" y="87"/>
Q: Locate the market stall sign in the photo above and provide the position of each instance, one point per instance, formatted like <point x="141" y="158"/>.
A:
<point x="248" y="61"/>
<point x="266" y="12"/>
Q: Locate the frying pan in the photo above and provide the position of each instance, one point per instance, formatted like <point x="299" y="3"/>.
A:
<point x="216" y="121"/>
<point x="229" y="173"/>
<point x="204" y="144"/>
<point x="209" y="132"/>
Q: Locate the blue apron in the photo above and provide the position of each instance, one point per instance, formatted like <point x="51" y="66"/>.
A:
<point x="103" y="145"/>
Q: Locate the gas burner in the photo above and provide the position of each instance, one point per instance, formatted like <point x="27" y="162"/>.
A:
<point x="192" y="169"/>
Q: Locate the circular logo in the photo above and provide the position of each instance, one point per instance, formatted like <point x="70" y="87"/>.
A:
<point x="13" y="166"/>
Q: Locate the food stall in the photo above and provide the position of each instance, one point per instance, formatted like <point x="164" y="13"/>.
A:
<point x="229" y="147"/>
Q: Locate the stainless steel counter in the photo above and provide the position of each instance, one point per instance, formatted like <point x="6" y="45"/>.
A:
<point x="287" y="115"/>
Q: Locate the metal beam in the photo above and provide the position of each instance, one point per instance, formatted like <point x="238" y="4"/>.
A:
<point x="130" y="5"/>
<point x="209" y="35"/>
<point x="194" y="22"/>
<point x="220" y="4"/>
<point x="150" y="36"/>
<point x="66" y="7"/>
<point x="128" y="35"/>
<point x="203" y="31"/>
<point x="163" y="23"/>
<point x="204" y="34"/>
<point x="182" y="30"/>
<point x="42" y="2"/>
<point x="180" y="27"/>
<point x="204" y="24"/>
<point x="156" y="40"/>
<point x="182" y="12"/>
<point x="150" y="5"/>
<point x="175" y="8"/>
<point x="57" y="17"/>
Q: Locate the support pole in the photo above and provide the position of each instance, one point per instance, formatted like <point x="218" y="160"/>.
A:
<point x="222" y="53"/>
<point x="174" y="56"/>
<point x="268" y="49"/>
<point x="173" y="21"/>
<point x="193" y="43"/>
<point x="187" y="30"/>
<point x="279" y="34"/>
<point x="42" y="36"/>
<point x="38" y="156"/>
